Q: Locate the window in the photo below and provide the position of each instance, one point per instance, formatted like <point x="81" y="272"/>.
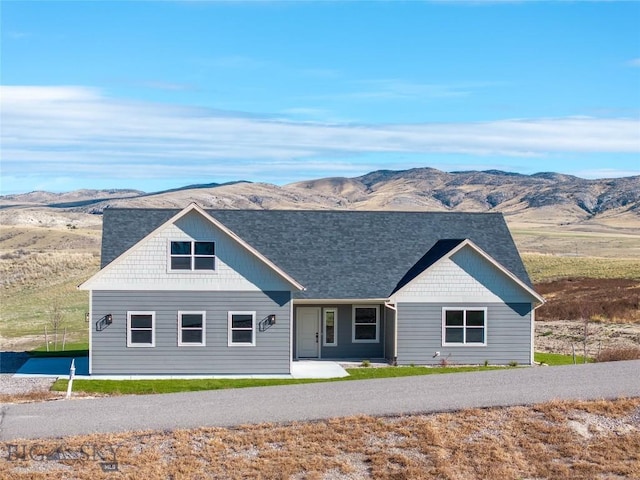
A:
<point x="365" y="324"/>
<point x="464" y="326"/>
<point x="242" y="329"/>
<point x="141" y="329"/>
<point x="191" y="255"/>
<point x="330" y="327"/>
<point x="191" y="328"/>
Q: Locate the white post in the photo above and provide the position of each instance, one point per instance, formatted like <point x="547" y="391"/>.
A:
<point x="72" y="373"/>
<point x="46" y="338"/>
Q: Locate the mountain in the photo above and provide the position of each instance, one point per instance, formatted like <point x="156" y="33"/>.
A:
<point x="564" y="198"/>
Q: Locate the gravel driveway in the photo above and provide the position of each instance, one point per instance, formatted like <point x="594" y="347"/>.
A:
<point x="10" y="363"/>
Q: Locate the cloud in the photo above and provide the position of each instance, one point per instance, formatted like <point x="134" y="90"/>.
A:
<point x="231" y="61"/>
<point x="80" y="131"/>
<point x="168" y="86"/>
<point x="635" y="62"/>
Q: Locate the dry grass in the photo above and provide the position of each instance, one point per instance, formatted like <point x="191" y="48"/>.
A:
<point x="619" y="354"/>
<point x="591" y="239"/>
<point x="546" y="268"/>
<point x="595" y="299"/>
<point x="32" y="283"/>
<point x="24" y="269"/>
<point x="32" y="396"/>
<point x="558" y="440"/>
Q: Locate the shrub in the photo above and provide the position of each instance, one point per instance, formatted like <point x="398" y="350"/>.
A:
<point x="365" y="363"/>
<point x="619" y="353"/>
<point x="513" y="363"/>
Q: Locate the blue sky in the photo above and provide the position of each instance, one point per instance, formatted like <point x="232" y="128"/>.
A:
<point x="155" y="95"/>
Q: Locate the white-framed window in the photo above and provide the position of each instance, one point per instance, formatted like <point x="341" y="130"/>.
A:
<point x="191" y="328"/>
<point x="464" y="326"/>
<point x="366" y="324"/>
<point x="141" y="329"/>
<point x="329" y="327"/>
<point x="192" y="255"/>
<point x="242" y="329"/>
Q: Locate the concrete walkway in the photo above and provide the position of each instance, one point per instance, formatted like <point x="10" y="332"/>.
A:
<point x="392" y="396"/>
<point x="59" y="367"/>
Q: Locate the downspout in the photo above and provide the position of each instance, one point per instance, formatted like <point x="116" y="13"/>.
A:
<point x="290" y="331"/>
<point x="90" y="331"/>
<point x="533" y="334"/>
<point x="390" y="306"/>
<point x="533" y="330"/>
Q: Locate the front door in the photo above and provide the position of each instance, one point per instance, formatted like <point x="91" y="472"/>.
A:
<point x="308" y="332"/>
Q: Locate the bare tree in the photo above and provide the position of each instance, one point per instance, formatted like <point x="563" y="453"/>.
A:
<point x="585" y="315"/>
<point x="56" y="317"/>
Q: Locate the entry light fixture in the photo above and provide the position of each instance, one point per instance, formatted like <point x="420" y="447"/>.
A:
<point x="108" y="319"/>
<point x="272" y="319"/>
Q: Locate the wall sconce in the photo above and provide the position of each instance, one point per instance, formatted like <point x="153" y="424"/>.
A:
<point x="86" y="317"/>
<point x="108" y="319"/>
<point x="272" y="319"/>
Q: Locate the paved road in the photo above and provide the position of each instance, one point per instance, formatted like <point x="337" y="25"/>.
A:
<point x="392" y="396"/>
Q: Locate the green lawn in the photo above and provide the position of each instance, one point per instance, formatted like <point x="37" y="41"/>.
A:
<point x="74" y="349"/>
<point x="558" y="359"/>
<point x="142" y="387"/>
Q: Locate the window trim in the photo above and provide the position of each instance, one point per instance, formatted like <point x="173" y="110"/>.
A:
<point x="335" y="327"/>
<point x="153" y="329"/>
<point x="353" y="324"/>
<point x="464" y="326"/>
<point x="181" y="328"/>
<point x="192" y="256"/>
<point x="230" y="342"/>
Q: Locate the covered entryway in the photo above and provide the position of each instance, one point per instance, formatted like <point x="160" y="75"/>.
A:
<point x="308" y="332"/>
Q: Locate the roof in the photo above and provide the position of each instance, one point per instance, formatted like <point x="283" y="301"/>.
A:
<point x="337" y="254"/>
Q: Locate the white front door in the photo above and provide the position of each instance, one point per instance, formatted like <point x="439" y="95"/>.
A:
<point x="308" y="332"/>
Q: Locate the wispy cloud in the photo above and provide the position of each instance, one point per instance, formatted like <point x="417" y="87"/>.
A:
<point x="167" y="86"/>
<point x="393" y="89"/>
<point x="76" y="130"/>
<point x="398" y="89"/>
<point x="634" y="62"/>
<point x="17" y="35"/>
<point x="232" y="61"/>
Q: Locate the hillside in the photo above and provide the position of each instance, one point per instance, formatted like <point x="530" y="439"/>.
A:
<point x="571" y="199"/>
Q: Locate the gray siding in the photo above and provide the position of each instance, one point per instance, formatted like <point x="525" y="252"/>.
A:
<point x="508" y="335"/>
<point x="111" y="356"/>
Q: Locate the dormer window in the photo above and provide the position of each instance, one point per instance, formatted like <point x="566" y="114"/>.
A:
<point x="192" y="255"/>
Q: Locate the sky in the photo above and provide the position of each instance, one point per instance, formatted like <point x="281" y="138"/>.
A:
<point x="154" y="95"/>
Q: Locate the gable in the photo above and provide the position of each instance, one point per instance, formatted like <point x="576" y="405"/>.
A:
<point x="464" y="276"/>
<point x="146" y="266"/>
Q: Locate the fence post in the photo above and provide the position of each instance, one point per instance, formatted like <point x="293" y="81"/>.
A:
<point x="46" y="338"/>
<point x="72" y="373"/>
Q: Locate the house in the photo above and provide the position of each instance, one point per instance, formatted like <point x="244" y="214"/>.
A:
<point x="199" y="292"/>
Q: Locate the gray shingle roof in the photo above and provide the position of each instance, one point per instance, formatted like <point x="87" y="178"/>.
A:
<point x="336" y="254"/>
